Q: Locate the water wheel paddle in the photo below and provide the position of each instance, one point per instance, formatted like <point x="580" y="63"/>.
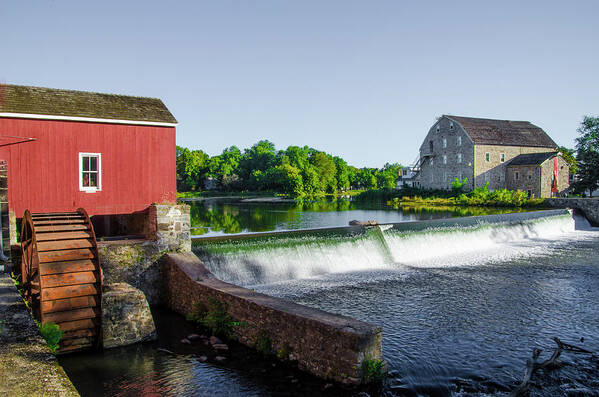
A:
<point x="61" y="275"/>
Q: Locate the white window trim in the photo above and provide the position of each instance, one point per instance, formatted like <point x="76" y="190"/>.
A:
<point x="444" y="143"/>
<point x="90" y="189"/>
<point x="459" y="141"/>
<point x="459" y="158"/>
<point x="444" y="159"/>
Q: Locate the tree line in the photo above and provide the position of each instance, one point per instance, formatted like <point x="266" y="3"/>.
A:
<point x="300" y="172"/>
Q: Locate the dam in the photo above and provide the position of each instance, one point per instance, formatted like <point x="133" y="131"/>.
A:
<point x="462" y="302"/>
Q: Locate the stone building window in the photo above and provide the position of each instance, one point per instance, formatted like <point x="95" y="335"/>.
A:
<point x="438" y="128"/>
<point x="502" y="157"/>
<point x="529" y="175"/>
<point x="517" y="175"/>
<point x="432" y="162"/>
<point x="444" y="143"/>
<point x="444" y="159"/>
<point x="529" y="193"/>
<point x="487" y="157"/>
<point x="459" y="159"/>
<point x="451" y="126"/>
<point x="459" y="142"/>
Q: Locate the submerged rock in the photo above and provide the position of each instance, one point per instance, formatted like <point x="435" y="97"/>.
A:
<point x="193" y="337"/>
<point x="126" y="316"/>
<point x="185" y="341"/>
<point x="215" y="341"/>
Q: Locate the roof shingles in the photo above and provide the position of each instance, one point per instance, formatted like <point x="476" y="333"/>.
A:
<point x="504" y="132"/>
<point x="56" y="102"/>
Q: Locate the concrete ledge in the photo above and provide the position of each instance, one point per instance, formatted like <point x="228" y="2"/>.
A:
<point x="27" y="368"/>
<point x="588" y="206"/>
<point x="329" y="346"/>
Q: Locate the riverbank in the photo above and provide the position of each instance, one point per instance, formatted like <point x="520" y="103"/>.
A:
<point x="27" y="366"/>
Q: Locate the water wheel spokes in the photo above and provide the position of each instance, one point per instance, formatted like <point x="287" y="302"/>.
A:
<point x="61" y="272"/>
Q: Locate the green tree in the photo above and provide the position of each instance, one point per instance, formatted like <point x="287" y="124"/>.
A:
<point x="255" y="161"/>
<point x="191" y="166"/>
<point x="569" y="156"/>
<point x="342" y="173"/>
<point x="325" y="167"/>
<point x="587" y="154"/>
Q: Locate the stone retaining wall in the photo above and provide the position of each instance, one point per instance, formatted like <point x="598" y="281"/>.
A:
<point x="327" y="345"/>
<point x="589" y="206"/>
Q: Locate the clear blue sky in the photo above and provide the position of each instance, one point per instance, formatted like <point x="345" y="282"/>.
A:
<point x="360" y="79"/>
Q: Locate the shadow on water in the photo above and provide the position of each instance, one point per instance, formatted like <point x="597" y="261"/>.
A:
<point x="167" y="367"/>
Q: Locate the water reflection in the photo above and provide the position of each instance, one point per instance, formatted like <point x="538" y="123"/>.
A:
<point x="219" y="216"/>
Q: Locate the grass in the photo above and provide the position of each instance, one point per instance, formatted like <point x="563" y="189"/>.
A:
<point x="214" y="316"/>
<point x="373" y="371"/>
<point x="52" y="334"/>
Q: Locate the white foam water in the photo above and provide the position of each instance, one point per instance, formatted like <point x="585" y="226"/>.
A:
<point x="385" y="248"/>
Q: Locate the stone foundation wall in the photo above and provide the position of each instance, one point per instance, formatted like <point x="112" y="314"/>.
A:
<point x="136" y="262"/>
<point x="126" y="316"/>
<point x="327" y="345"/>
<point x="589" y="206"/>
<point x="172" y="226"/>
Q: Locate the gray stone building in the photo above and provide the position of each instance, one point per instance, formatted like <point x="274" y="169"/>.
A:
<point x="481" y="150"/>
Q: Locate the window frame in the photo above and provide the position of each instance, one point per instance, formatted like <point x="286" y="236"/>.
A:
<point x="459" y="158"/>
<point x="444" y="143"/>
<point x="502" y="157"/>
<point x="459" y="140"/>
<point x="90" y="189"/>
<point x="488" y="157"/>
<point x="516" y="175"/>
<point x="444" y="159"/>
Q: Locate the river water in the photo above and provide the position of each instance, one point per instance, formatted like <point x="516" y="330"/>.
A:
<point x="234" y="215"/>
<point x="462" y="304"/>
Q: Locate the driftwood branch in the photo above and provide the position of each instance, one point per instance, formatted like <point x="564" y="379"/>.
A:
<point x="533" y="365"/>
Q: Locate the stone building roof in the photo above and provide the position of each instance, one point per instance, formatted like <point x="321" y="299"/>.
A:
<point x="504" y="132"/>
<point x="532" y="158"/>
<point x="56" y="102"/>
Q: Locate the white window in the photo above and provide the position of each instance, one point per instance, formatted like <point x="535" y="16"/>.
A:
<point x="517" y="175"/>
<point x="487" y="157"/>
<point x="90" y="172"/>
<point x="444" y="142"/>
<point x="459" y="143"/>
<point x="459" y="157"/>
<point x="432" y="163"/>
<point x="438" y="128"/>
<point x="451" y="126"/>
<point x="502" y="156"/>
<point x="444" y="159"/>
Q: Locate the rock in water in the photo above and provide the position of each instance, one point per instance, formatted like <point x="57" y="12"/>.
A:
<point x="185" y="341"/>
<point x="126" y="316"/>
<point x="215" y="341"/>
<point x="193" y="337"/>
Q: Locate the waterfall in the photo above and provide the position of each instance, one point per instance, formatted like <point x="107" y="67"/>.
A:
<point x="458" y="241"/>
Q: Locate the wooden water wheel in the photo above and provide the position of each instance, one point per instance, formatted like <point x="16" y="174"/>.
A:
<point x="61" y="275"/>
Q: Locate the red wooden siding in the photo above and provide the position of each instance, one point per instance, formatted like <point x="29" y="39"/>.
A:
<point x="138" y="166"/>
